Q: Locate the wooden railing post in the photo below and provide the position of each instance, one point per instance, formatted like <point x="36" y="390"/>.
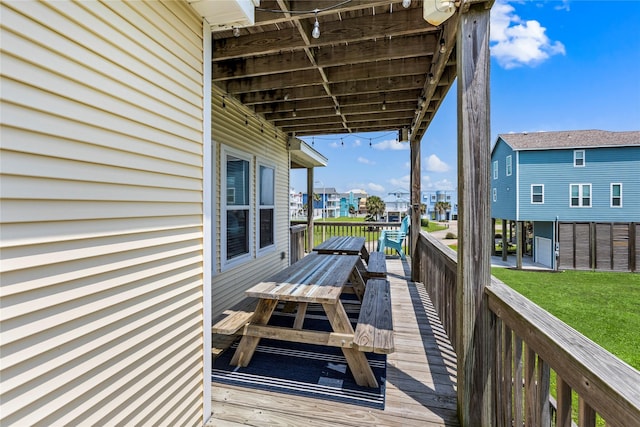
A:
<point x="310" y="233"/>
<point x="474" y="336"/>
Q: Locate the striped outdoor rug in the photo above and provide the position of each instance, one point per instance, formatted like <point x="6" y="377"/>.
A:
<point x="300" y="369"/>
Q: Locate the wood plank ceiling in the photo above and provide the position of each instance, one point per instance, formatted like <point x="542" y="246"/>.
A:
<point x="376" y="66"/>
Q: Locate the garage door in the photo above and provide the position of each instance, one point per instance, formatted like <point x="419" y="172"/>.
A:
<point x="543" y="252"/>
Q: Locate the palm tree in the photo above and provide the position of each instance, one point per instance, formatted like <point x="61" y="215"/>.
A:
<point x="352" y="210"/>
<point x="375" y="206"/>
<point x="442" y="208"/>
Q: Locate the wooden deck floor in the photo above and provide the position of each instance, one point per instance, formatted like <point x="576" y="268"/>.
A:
<point x="421" y="377"/>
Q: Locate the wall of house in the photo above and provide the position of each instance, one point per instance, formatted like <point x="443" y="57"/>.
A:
<point x="236" y="127"/>
<point x="603" y="166"/>
<point x="504" y="206"/>
<point x="102" y="243"/>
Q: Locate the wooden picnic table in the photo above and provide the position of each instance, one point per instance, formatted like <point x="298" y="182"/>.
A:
<point x="316" y="278"/>
<point x="348" y="245"/>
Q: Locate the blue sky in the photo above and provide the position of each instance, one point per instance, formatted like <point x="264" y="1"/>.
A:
<point x="555" y="65"/>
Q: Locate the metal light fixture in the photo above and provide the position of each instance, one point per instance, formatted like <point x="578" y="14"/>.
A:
<point x="315" y="33"/>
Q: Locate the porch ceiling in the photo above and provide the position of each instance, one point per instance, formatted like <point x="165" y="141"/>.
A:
<point x="376" y="66"/>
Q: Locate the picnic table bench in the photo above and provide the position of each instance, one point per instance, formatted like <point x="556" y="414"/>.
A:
<point x="374" y="331"/>
<point x="318" y="279"/>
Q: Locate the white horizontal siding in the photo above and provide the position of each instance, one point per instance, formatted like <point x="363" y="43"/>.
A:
<point x="237" y="127"/>
<point x="101" y="219"/>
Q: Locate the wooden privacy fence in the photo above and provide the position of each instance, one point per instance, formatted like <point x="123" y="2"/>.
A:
<point x="599" y="246"/>
<point x="531" y="346"/>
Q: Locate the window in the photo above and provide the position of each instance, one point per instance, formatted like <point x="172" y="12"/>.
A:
<point x="580" y="195"/>
<point x="616" y="195"/>
<point x="236" y="207"/>
<point x="509" y="166"/>
<point x="578" y="158"/>
<point x="537" y="193"/>
<point x="495" y="170"/>
<point x="495" y="194"/>
<point x="266" y="206"/>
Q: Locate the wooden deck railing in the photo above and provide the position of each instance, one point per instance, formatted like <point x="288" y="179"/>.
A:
<point x="296" y="250"/>
<point x="531" y="344"/>
<point x="322" y="230"/>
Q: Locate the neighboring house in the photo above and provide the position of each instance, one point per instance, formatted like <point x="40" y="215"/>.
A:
<point x="328" y="205"/>
<point x="579" y="189"/>
<point x="351" y="198"/>
<point x="296" y="206"/>
<point x="137" y="202"/>
<point x="396" y="205"/>
<point x="431" y="198"/>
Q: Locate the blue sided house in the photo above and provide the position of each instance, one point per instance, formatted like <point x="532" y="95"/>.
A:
<point x="578" y="192"/>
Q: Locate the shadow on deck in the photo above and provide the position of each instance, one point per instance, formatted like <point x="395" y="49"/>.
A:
<point x="421" y="376"/>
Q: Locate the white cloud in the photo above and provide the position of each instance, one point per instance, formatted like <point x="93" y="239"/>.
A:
<point x="375" y="187"/>
<point x="391" y="144"/>
<point x="517" y="42"/>
<point x="445" y="184"/>
<point x="402" y="182"/>
<point x="366" y="161"/>
<point x="356" y="143"/>
<point x="334" y="145"/>
<point x="434" y="164"/>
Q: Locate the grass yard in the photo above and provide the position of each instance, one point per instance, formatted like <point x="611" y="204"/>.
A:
<point x="603" y="306"/>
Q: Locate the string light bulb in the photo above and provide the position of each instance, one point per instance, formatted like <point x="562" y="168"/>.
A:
<point x="406" y="3"/>
<point x="236" y="32"/>
<point x="443" y="48"/>
<point x="315" y="33"/>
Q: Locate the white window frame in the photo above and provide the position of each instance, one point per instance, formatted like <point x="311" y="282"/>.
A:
<point x="495" y="194"/>
<point x="495" y="169"/>
<point x="581" y="187"/>
<point x="575" y="158"/>
<point x="225" y="263"/>
<point x="509" y="165"/>
<point x="534" y="202"/>
<point x="262" y="163"/>
<point x="612" y="196"/>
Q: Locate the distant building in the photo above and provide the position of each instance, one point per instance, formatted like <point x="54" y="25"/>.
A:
<point x="296" y="206"/>
<point x="580" y="192"/>
<point x="328" y="205"/>
<point x="352" y="198"/>
<point x="431" y="198"/>
<point x="396" y="205"/>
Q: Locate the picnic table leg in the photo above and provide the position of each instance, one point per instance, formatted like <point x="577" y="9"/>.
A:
<point x="365" y="252"/>
<point x="302" y="311"/>
<point x="357" y="282"/>
<point x="248" y="344"/>
<point x="356" y="359"/>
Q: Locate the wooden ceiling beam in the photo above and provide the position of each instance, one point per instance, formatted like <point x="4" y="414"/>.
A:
<point x="263" y="17"/>
<point x="379" y="50"/>
<point x="379" y="69"/>
<point x="379" y="85"/>
<point x="274" y="81"/>
<point x="346" y="31"/>
<point x="280" y="95"/>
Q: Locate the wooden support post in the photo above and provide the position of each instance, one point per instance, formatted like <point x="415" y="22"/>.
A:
<point x="475" y="339"/>
<point x="309" y="210"/>
<point x="493" y="234"/>
<point x="414" y="230"/>
<point x="519" y="241"/>
<point x="505" y="241"/>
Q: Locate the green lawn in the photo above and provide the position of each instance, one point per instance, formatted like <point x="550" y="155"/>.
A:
<point x="603" y="306"/>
